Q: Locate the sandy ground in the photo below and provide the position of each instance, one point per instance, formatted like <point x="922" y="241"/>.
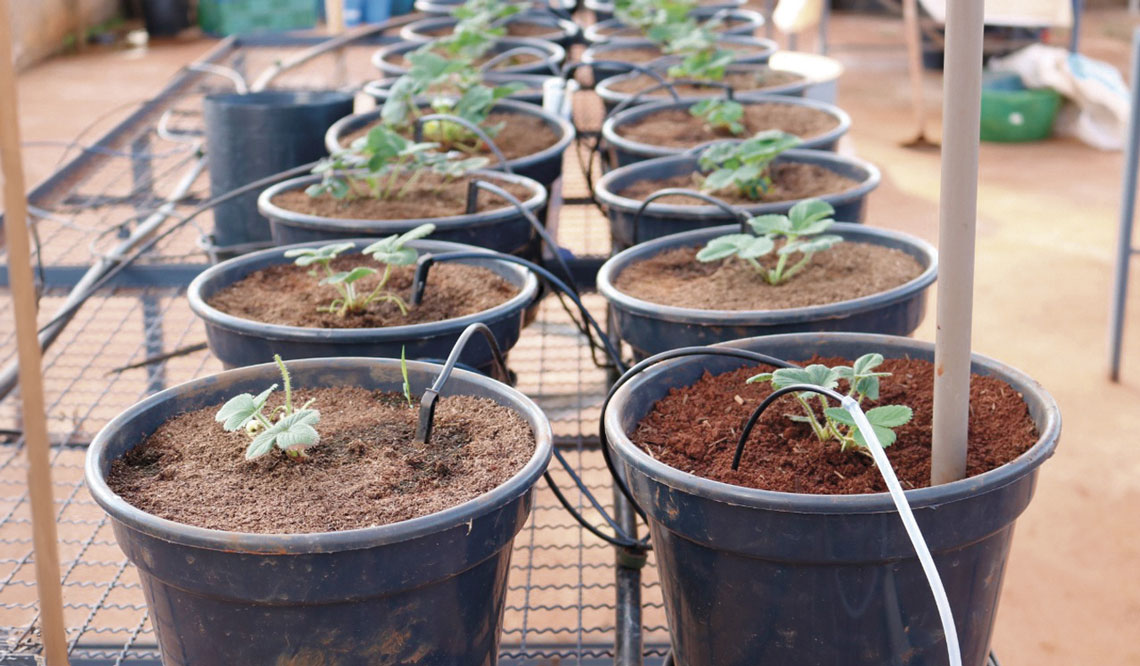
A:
<point x="1045" y="251"/>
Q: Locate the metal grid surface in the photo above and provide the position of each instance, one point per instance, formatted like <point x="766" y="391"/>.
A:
<point x="561" y="602"/>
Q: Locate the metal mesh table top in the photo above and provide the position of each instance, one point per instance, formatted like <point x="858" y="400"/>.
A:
<point x="561" y="601"/>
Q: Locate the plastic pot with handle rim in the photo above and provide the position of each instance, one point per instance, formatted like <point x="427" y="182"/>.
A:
<point x="540" y="56"/>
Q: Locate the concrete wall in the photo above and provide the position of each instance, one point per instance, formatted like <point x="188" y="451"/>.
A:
<point x="39" y="27"/>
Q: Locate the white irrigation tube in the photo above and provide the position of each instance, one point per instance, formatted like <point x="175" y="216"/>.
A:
<point x="958" y="207"/>
<point x="945" y="613"/>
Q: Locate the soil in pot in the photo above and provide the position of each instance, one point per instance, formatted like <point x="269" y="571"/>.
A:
<point x="430" y="196"/>
<point x="677" y="128"/>
<point x="640" y="55"/>
<point x="695" y="429"/>
<point x="514" y="29"/>
<point x="846" y="271"/>
<point x="286" y="294"/>
<point x="634" y="33"/>
<point x="516" y="60"/>
<point x="791" y="181"/>
<point x="520" y="136"/>
<point x="752" y="80"/>
<point x="365" y="471"/>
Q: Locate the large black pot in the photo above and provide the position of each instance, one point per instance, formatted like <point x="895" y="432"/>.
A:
<point x="255" y="135"/>
<point x="661" y="219"/>
<point x="238" y="342"/>
<point x="744" y="22"/>
<point x="430" y="590"/>
<point x="650" y="328"/>
<point x="761" y="577"/>
<point x="544" y="166"/>
<point x="562" y="32"/>
<point x="622" y="151"/>
<point x="503" y="229"/>
<point x="612" y="97"/>
<point x="758" y="53"/>
<point x="549" y="63"/>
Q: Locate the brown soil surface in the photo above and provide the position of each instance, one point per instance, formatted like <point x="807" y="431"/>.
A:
<point x="678" y="128"/>
<point x="286" y="294"/>
<point x="739" y="81"/>
<point x="522" y="135"/>
<point x="514" y="29"/>
<point x="643" y="54"/>
<point x="695" y="429"/>
<point x="790" y="181"/>
<point x="520" y="59"/>
<point x="634" y="33"/>
<point x="846" y="271"/>
<point x="366" y="470"/>
<point x="430" y="197"/>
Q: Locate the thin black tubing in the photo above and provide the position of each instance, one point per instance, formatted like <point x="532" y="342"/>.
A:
<point x="653" y="360"/>
<point x="418" y="134"/>
<point x="773" y="397"/>
<point x="740" y="215"/>
<point x="431" y="395"/>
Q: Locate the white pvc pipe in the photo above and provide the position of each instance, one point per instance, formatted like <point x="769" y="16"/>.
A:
<point x="958" y="204"/>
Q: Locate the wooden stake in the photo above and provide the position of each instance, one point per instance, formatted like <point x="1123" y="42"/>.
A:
<point x="958" y="205"/>
<point x="334" y="16"/>
<point x="44" y="541"/>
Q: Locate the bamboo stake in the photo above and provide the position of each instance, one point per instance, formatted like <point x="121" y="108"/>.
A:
<point x="958" y="204"/>
<point x="36" y="445"/>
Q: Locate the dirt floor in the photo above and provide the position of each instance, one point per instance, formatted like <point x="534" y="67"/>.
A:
<point x="1045" y="251"/>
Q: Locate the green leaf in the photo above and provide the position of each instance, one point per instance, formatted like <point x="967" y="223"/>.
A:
<point x="422" y="231"/>
<point x="291" y="432"/>
<point x="723" y="246"/>
<point x="241" y="409"/>
<point x="306" y="256"/>
<point x="757" y="246"/>
<point x="818" y="244"/>
<point x="867" y="363"/>
<point x="886" y="436"/>
<point x="718" y="180"/>
<point x="348" y="277"/>
<point x="809" y="211"/>
<point x="839" y="415"/>
<point x="770" y="224"/>
<point x="889" y="416"/>
<point x="814" y="375"/>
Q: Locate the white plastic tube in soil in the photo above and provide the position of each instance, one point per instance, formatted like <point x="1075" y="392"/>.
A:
<point x="911" y="526"/>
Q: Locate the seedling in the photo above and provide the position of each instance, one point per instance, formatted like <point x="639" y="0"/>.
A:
<point x="745" y="165"/>
<point x="801" y="230"/>
<point x="836" y="423"/>
<point x="404" y="372"/>
<point x="390" y="251"/>
<point x="486" y="11"/>
<point x="292" y="432"/>
<point x="720" y="114"/>
<point x="373" y="164"/>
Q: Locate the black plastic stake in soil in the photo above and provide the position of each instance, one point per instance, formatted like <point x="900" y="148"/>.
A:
<point x="418" y="134"/>
<point x="740" y="215"/>
<point x="431" y="396"/>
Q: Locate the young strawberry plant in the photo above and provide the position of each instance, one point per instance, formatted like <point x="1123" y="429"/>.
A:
<point x="745" y="164"/>
<point x="836" y="423"/>
<point x="723" y="115"/>
<point x="292" y="432"/>
<point x="390" y="251"/>
<point x="801" y="231"/>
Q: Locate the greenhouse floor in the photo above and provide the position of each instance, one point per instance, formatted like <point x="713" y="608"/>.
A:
<point x="1045" y="247"/>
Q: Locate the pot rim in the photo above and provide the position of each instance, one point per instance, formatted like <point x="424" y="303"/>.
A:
<point x="609" y="198"/>
<point x="635" y="113"/>
<point x="560" y="27"/>
<point x="555" y="53"/>
<point x="765" y="47"/>
<point x="591" y="33"/>
<point x="317" y="542"/>
<point x="771" y="500"/>
<point x="613" y="266"/>
<point x="604" y="88"/>
<point x="194" y="294"/>
<point x="565" y="129"/>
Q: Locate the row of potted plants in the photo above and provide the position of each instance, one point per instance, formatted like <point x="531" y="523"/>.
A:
<point x="343" y="520"/>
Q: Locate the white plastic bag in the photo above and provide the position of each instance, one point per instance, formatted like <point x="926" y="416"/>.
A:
<point x="1097" y="101"/>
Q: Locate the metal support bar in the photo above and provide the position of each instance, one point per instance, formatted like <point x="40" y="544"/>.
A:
<point x="1075" y="34"/>
<point x="627" y="578"/>
<point x="1124" y="247"/>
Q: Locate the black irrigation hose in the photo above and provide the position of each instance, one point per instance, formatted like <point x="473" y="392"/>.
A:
<point x="773" y="397"/>
<point x="653" y="360"/>
<point x="741" y="216"/>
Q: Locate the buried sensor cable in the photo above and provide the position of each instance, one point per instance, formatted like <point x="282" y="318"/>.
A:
<point x="851" y="406"/>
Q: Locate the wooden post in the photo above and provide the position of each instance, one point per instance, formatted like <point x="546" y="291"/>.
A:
<point x="36" y="443"/>
<point x="958" y="207"/>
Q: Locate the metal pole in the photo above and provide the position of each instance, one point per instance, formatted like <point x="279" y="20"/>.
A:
<point x="1124" y="249"/>
<point x="958" y="205"/>
<point x="36" y="444"/>
<point x="1075" y="34"/>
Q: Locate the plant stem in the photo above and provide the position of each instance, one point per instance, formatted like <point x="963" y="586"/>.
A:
<point x="288" y="384"/>
<point x="798" y="267"/>
<point x="820" y="432"/>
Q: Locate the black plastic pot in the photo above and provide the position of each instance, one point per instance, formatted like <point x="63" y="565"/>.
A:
<point x="502" y="229"/>
<point x="650" y="328"/>
<point x="446" y="6"/>
<point x="761" y="577"/>
<point x="562" y="32"/>
<point x="430" y="590"/>
<point x="622" y="151"/>
<point x="660" y="219"/>
<point x="544" y="166"/>
<point x="759" y="50"/>
<point x="551" y="61"/>
<point x="256" y="135"/>
<point x="604" y="9"/>
<point x="745" y="23"/>
<point x="238" y="342"/>
<point x="531" y="92"/>
<point x="611" y="97"/>
<point x="165" y="18"/>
